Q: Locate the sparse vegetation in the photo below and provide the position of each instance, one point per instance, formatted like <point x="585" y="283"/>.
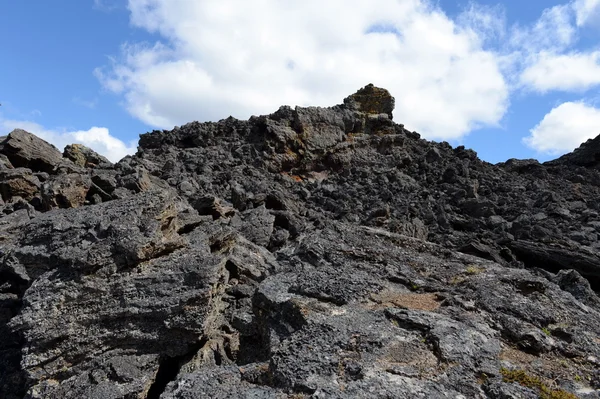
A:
<point x="414" y="287"/>
<point x="472" y="270"/>
<point x="533" y="382"/>
<point x="456" y="280"/>
<point x="546" y="331"/>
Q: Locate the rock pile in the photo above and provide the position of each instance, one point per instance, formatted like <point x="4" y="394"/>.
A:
<point x="313" y="252"/>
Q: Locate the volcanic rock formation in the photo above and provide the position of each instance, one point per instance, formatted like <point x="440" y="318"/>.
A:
<point x="313" y="252"/>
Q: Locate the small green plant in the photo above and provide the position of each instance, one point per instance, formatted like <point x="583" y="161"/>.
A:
<point x="546" y="331"/>
<point x="578" y="378"/>
<point x="533" y="382"/>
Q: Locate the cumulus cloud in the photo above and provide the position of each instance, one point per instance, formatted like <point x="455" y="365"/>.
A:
<point x="548" y="60"/>
<point x="217" y="58"/>
<point x="568" y="72"/>
<point x="564" y="128"/>
<point x="96" y="138"/>
<point x="587" y="11"/>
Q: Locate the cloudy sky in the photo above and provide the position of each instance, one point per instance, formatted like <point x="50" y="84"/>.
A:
<point x="516" y="79"/>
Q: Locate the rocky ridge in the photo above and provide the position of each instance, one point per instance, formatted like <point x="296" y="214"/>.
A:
<point x="313" y="252"/>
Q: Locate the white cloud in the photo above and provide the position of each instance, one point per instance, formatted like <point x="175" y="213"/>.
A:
<point x="554" y="31"/>
<point x="547" y="56"/>
<point x="572" y="71"/>
<point x="488" y="23"/>
<point x="587" y="11"/>
<point x="237" y="57"/>
<point x="564" y="128"/>
<point x="96" y="138"/>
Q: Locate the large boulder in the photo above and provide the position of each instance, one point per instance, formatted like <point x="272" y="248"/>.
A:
<point x="84" y="156"/>
<point x="26" y="150"/>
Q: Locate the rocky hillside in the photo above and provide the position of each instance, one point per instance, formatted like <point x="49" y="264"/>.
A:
<point x="313" y="252"/>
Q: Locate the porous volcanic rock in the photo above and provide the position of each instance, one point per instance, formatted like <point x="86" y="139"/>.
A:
<point x="313" y="252"/>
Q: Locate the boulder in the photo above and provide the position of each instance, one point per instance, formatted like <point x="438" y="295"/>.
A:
<point x="18" y="182"/>
<point x="26" y="150"/>
<point x="84" y="156"/>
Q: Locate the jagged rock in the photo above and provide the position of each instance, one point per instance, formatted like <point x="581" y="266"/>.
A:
<point x="105" y="179"/>
<point x="313" y="252"/>
<point x="372" y="100"/>
<point x="587" y="154"/>
<point x="19" y="182"/>
<point x="26" y="150"/>
<point x="557" y="258"/>
<point x="84" y="156"/>
<point x="257" y="225"/>
<point x="65" y="191"/>
<point x="5" y="162"/>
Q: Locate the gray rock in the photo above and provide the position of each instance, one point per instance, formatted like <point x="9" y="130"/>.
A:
<point x="84" y="156"/>
<point x="313" y="252"/>
<point x="26" y="150"/>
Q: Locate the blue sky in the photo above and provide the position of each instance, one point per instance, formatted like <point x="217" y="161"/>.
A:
<point x="510" y="80"/>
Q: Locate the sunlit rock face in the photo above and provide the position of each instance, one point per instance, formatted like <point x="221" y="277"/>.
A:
<point x="313" y="252"/>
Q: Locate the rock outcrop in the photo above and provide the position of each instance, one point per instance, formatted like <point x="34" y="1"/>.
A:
<point x="313" y="252"/>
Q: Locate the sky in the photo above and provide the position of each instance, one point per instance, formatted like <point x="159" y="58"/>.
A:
<point x="511" y="79"/>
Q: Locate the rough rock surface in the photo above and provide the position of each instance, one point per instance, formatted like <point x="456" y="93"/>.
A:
<point x="23" y="149"/>
<point x="84" y="156"/>
<point x="313" y="252"/>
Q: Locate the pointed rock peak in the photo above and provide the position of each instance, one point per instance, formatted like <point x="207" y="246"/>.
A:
<point x="371" y="100"/>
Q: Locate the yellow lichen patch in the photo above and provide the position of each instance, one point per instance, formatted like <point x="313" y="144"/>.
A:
<point x="388" y="298"/>
<point x="473" y="269"/>
<point x="372" y="100"/>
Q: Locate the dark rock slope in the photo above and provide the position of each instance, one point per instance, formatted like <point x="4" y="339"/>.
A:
<point x="314" y="252"/>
